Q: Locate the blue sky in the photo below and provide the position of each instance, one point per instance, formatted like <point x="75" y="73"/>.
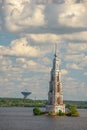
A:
<point x="28" y="33"/>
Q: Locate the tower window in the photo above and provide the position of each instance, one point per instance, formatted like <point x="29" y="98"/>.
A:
<point x="58" y="88"/>
<point x="58" y="78"/>
<point x="58" y="100"/>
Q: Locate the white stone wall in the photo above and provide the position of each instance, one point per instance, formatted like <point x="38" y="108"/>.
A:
<point x="55" y="108"/>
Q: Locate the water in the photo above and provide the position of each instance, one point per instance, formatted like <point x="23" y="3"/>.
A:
<point x="23" y="119"/>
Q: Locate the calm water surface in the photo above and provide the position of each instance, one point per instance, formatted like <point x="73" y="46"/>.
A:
<point x="23" y="119"/>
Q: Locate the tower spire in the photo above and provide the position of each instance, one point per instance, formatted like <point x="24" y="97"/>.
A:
<point x="55" y="50"/>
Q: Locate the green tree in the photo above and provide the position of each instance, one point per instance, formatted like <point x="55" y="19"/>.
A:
<point x="72" y="111"/>
<point x="37" y="111"/>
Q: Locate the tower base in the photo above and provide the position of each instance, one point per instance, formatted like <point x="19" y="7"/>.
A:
<point x="55" y="108"/>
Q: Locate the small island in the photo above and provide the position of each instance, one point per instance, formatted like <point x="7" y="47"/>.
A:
<point x="70" y="111"/>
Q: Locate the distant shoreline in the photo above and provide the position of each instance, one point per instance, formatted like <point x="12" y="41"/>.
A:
<point x="19" y="102"/>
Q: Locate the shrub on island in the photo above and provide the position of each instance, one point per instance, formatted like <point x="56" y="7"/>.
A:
<point x="37" y="111"/>
<point x="72" y="111"/>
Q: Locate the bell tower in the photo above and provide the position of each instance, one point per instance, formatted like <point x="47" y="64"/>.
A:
<point x="55" y="94"/>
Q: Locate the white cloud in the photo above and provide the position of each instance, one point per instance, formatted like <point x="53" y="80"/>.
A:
<point x="85" y="73"/>
<point x="20" y="47"/>
<point x="64" y="72"/>
<point x="5" y="64"/>
<point x="83" y="62"/>
<point x="74" y="66"/>
<point x="75" y="47"/>
<point x="76" y="55"/>
<point x="76" y="58"/>
<point x="32" y="65"/>
<point x="70" y="1"/>
<point x="21" y="60"/>
<point x="73" y="15"/>
<point x="76" y="39"/>
<point x="37" y="67"/>
<point x="74" y="88"/>
<point x="45" y="61"/>
<point x="19" y="15"/>
<point x="45" y="38"/>
<point x="69" y="78"/>
<point x="79" y="37"/>
<point x="25" y="15"/>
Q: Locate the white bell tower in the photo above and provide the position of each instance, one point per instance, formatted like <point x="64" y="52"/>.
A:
<point x="55" y="94"/>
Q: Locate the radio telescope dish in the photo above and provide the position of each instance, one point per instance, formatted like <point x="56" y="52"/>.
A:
<point x="25" y="94"/>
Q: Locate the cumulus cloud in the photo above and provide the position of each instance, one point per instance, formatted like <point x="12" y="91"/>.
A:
<point x="69" y="78"/>
<point x="5" y="63"/>
<point x="64" y="72"/>
<point x="73" y="16"/>
<point x="76" y="61"/>
<point x="19" y="15"/>
<point x="20" y="47"/>
<point x="44" y="38"/>
<point x="74" y="66"/>
<point x="73" y="43"/>
<point x="71" y="40"/>
<point x="76" y="58"/>
<point x="75" y="47"/>
<point x="74" y="38"/>
<point x="34" y="66"/>
<point x="25" y="15"/>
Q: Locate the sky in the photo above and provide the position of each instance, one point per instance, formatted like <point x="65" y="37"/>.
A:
<point x="29" y="30"/>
